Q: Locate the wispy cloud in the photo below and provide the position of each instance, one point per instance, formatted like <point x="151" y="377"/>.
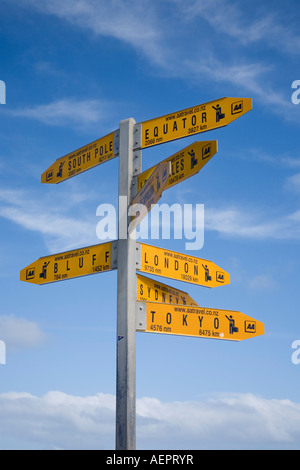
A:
<point x="293" y="183"/>
<point x="19" y="333"/>
<point x="169" y="36"/>
<point x="263" y="282"/>
<point x="231" y="19"/>
<point x="49" y="218"/>
<point x="47" y="68"/>
<point x="66" y="112"/>
<point x="238" y="421"/>
<point x="283" y="160"/>
<point x="62" y="232"/>
<point x="134" y="22"/>
<point x="245" y="223"/>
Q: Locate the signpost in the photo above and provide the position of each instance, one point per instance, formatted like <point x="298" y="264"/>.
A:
<point x="80" y="160"/>
<point x="185" y="163"/>
<point x="69" y="264"/>
<point x="191" y="121"/>
<point x="144" y="304"/>
<point x="179" y="266"/>
<point x="201" y="322"/>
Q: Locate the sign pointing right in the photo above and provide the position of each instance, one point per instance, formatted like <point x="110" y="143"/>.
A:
<point x="201" y="118"/>
<point x="149" y="290"/>
<point x="185" y="163"/>
<point x="153" y="317"/>
<point x="179" y="266"/>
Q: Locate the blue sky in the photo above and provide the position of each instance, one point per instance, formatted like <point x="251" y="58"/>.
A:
<point x="73" y="70"/>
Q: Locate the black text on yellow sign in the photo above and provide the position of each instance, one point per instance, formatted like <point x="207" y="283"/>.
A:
<point x="80" y="160"/>
<point x="185" y="163"/>
<point x="70" y="264"/>
<point x="179" y="266"/>
<point x="153" y="291"/>
<point x="196" y="321"/>
<point x="194" y="120"/>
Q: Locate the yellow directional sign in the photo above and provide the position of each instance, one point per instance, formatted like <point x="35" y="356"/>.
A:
<point x="179" y="266"/>
<point x="185" y="163"/>
<point x="201" y="322"/>
<point x="152" y="291"/>
<point x="88" y="260"/>
<point x="80" y="160"/>
<point x="151" y="192"/>
<point x="190" y="121"/>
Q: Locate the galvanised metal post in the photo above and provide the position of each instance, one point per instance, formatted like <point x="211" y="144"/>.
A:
<point x="129" y="162"/>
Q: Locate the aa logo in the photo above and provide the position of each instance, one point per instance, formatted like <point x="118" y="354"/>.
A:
<point x="49" y="175"/>
<point x="237" y="107"/>
<point x="250" y="326"/>
<point x="206" y="152"/>
<point x="30" y="273"/>
<point x="220" y="276"/>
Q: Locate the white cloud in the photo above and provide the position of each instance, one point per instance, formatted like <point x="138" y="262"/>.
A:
<point x="166" y="34"/>
<point x="252" y="224"/>
<point x="19" y="333"/>
<point x="293" y="183"/>
<point x="47" y="216"/>
<point x="232" y="20"/>
<point x="140" y="23"/>
<point x="133" y="21"/>
<point x="63" y="232"/>
<point x="283" y="160"/>
<point x="263" y="282"/>
<point x="237" y="421"/>
<point x="291" y="162"/>
<point x="57" y="420"/>
<point x="233" y="421"/>
<point x="66" y="112"/>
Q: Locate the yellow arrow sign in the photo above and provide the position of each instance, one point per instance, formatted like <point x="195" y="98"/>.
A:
<point x="150" y="193"/>
<point x="70" y="264"/>
<point x="153" y="291"/>
<point x="179" y="266"/>
<point x="201" y="322"/>
<point x="191" y="121"/>
<point x="185" y="163"/>
<point x="80" y="160"/>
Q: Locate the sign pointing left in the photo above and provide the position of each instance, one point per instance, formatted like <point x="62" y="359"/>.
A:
<point x="83" y="159"/>
<point x="70" y="264"/>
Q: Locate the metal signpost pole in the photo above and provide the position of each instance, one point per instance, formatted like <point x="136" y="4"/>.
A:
<point x="127" y="287"/>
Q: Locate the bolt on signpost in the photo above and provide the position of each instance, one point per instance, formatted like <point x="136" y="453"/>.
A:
<point x="143" y="304"/>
